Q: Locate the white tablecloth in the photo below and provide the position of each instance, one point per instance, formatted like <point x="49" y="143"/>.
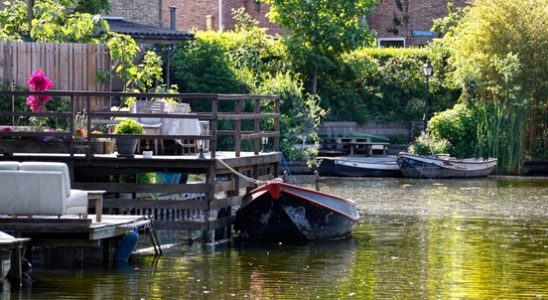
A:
<point x="181" y="127"/>
<point x="171" y="126"/>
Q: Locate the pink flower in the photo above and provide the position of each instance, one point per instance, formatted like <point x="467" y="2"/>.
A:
<point x="39" y="82"/>
<point x="33" y="103"/>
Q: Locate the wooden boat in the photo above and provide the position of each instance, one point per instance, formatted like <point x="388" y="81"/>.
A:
<point x="282" y="212"/>
<point x="442" y="166"/>
<point x="358" y="166"/>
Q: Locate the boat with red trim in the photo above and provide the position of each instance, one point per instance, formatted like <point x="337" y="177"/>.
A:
<point x="279" y="211"/>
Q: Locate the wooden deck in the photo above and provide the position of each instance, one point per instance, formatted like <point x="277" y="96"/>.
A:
<point x="70" y="230"/>
<point x="67" y="231"/>
<point x="206" y="204"/>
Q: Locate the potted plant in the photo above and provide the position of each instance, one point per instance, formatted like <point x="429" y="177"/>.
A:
<point x="126" y="145"/>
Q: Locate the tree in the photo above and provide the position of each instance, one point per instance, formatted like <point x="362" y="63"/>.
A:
<point x="447" y="24"/>
<point x="47" y="21"/>
<point x="93" y="6"/>
<point x="321" y="30"/>
<point x="500" y="52"/>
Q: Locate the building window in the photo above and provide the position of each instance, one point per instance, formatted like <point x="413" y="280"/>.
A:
<point x="391" y="42"/>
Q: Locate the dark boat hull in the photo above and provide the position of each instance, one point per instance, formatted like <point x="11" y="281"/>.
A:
<point x="351" y="168"/>
<point x="415" y="166"/>
<point x="291" y="218"/>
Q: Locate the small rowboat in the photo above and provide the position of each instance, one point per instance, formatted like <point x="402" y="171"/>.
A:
<point x="282" y="212"/>
<point x="359" y="166"/>
<point x="419" y="166"/>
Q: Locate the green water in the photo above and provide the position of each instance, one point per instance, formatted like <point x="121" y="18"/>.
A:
<point x="416" y="239"/>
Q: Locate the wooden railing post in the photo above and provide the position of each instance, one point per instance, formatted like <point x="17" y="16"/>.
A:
<point x="277" y="124"/>
<point x="257" y="141"/>
<point x="238" y="134"/>
<point x="213" y="129"/>
<point x="87" y="113"/>
<point x="71" y="128"/>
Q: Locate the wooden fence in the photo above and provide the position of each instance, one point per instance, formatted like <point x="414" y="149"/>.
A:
<point x="70" y="66"/>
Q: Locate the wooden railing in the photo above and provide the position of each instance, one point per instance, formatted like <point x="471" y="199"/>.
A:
<point x="213" y="116"/>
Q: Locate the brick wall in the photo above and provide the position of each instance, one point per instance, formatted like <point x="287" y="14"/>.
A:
<point x="258" y="12"/>
<point x="146" y="12"/>
<point x="421" y="13"/>
<point x="191" y="14"/>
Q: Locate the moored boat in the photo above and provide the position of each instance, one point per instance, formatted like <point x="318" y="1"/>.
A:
<point x="418" y="166"/>
<point x="357" y="166"/>
<point x="278" y="211"/>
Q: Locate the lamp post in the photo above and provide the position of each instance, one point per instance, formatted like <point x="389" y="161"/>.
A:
<point x="427" y="72"/>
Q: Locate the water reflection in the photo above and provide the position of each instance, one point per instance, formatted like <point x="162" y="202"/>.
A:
<point x="417" y="239"/>
<point x="288" y="271"/>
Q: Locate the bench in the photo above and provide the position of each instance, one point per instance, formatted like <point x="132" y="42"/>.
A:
<point x="368" y="147"/>
<point x="39" y="188"/>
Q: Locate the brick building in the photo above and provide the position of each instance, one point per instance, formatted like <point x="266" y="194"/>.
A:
<point x="217" y="15"/>
<point x="189" y="14"/>
<point x="416" y="31"/>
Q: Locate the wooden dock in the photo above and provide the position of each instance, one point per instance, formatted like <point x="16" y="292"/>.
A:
<point x="205" y="204"/>
<point x="71" y="230"/>
<point x="49" y="232"/>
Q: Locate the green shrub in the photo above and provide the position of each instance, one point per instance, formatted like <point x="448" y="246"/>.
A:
<point x="427" y="144"/>
<point x="386" y="84"/>
<point x="457" y="125"/>
<point x="203" y="67"/>
<point x="128" y="126"/>
<point x="300" y="114"/>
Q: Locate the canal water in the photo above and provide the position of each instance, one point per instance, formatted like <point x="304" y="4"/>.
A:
<point x="416" y="239"/>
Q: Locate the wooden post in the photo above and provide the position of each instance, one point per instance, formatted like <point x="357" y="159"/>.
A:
<point x="88" y="127"/>
<point x="72" y="118"/>
<point x="277" y="124"/>
<point x="15" y="272"/>
<point x="317" y="180"/>
<point x="257" y="141"/>
<point x="208" y="235"/>
<point x="238" y="134"/>
<point x="213" y="129"/>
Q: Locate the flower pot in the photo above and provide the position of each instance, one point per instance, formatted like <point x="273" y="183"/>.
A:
<point x="126" y="146"/>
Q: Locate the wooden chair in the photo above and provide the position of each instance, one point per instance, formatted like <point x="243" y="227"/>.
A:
<point x="151" y="125"/>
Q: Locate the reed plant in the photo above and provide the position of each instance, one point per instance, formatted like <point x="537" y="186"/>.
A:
<point x="502" y="119"/>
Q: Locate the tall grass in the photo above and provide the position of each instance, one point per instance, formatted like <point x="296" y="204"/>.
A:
<point x="503" y="118"/>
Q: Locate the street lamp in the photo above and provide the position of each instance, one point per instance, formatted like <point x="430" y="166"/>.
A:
<point x="427" y="72"/>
